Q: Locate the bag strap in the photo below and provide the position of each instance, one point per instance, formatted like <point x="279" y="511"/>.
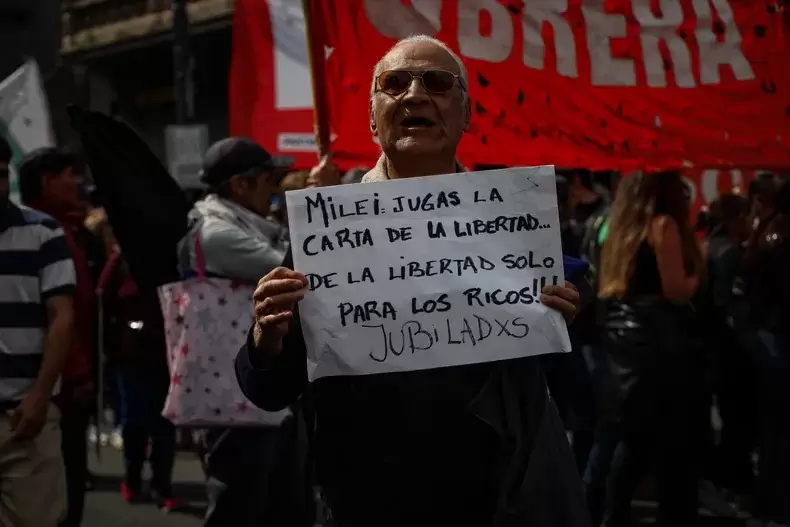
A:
<point x="200" y="259"/>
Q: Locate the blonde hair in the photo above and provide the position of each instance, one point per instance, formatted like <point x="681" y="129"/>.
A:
<point x="640" y="198"/>
<point x="425" y="39"/>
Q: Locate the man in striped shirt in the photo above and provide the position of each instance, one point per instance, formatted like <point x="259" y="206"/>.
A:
<point x="37" y="282"/>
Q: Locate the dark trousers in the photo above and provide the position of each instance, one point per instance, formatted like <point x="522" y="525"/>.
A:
<point x="142" y="397"/>
<point x="607" y="435"/>
<point x="596" y="474"/>
<point x="257" y="476"/>
<point x="734" y="387"/>
<point x="656" y="437"/>
<point x="74" y="425"/>
<point x="773" y="373"/>
<point x="570" y="381"/>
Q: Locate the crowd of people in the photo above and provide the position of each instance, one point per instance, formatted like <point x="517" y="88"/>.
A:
<point x="676" y="377"/>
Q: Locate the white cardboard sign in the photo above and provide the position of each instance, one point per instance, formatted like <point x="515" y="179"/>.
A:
<point x="430" y="272"/>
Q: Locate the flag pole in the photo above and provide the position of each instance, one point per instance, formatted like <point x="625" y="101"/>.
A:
<point x="317" y="61"/>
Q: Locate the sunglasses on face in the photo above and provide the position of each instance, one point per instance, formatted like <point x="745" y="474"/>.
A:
<point x="437" y="82"/>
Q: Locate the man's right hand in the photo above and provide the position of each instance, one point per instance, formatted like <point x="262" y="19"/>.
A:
<point x="324" y="174"/>
<point x="275" y="303"/>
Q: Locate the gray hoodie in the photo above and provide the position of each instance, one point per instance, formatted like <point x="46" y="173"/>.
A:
<point x="236" y="243"/>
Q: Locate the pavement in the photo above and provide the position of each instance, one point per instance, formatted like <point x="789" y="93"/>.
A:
<point x="104" y="506"/>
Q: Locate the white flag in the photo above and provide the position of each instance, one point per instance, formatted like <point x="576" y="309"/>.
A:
<point x="24" y="116"/>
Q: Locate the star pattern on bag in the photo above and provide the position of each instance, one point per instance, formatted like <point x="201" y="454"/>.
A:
<point x="181" y="300"/>
<point x="203" y="385"/>
<point x="204" y="318"/>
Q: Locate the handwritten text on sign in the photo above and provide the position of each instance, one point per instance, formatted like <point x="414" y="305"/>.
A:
<point x="422" y="273"/>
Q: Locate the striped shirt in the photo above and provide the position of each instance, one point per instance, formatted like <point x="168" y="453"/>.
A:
<point x="35" y="264"/>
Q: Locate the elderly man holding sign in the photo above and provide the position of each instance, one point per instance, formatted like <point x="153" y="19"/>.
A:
<point x="429" y="409"/>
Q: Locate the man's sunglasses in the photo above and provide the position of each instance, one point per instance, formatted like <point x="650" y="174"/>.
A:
<point x="437" y="82"/>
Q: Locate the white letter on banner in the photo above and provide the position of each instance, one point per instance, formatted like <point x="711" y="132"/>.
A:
<point x="495" y="47"/>
<point x="712" y="53"/>
<point x="538" y="12"/>
<point x="606" y="70"/>
<point x="395" y="20"/>
<point x="293" y="89"/>
<point x="655" y="29"/>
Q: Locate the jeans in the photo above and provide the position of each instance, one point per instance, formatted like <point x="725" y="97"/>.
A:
<point x="596" y="473"/>
<point x="667" y="451"/>
<point x="142" y="397"/>
<point x="772" y="364"/>
<point x="570" y="380"/>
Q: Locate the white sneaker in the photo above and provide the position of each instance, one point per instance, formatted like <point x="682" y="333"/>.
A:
<point x="713" y="500"/>
<point x="116" y="439"/>
<point x="92" y="435"/>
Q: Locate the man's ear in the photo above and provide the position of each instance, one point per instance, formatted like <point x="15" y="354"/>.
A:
<point x="372" y="119"/>
<point x="467" y="115"/>
<point x="237" y="184"/>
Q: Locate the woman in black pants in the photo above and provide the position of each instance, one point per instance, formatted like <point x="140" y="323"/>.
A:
<point x="651" y="268"/>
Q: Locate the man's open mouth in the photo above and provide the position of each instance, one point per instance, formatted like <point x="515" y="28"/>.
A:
<point x="417" y="122"/>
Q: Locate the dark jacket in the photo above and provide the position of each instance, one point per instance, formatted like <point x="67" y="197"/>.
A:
<point x="766" y="275"/>
<point x="134" y="327"/>
<point x="478" y="445"/>
<point x="725" y="257"/>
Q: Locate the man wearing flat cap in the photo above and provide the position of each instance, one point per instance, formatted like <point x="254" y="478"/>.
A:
<point x="238" y="242"/>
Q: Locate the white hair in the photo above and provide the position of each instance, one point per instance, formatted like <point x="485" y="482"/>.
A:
<point x="427" y="40"/>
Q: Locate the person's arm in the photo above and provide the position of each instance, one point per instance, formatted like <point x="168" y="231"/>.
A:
<point x="665" y="239"/>
<point x="273" y="382"/>
<point x="273" y="374"/>
<point x="60" y="312"/>
<point x="57" y="279"/>
<point x="58" y="284"/>
<point x="232" y="253"/>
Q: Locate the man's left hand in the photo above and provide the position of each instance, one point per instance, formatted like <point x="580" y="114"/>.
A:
<point x="563" y="298"/>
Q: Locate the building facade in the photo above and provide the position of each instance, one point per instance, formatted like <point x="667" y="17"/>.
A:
<point x="120" y="55"/>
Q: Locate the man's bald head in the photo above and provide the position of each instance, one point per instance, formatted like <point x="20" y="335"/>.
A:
<point x="415" y="125"/>
<point x="414" y="43"/>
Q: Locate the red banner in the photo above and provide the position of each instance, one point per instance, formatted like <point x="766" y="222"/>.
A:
<point x="605" y="84"/>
